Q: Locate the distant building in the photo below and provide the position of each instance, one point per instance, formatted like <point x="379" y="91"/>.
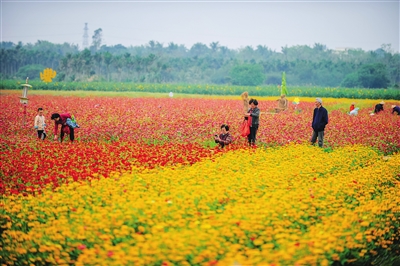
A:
<point x="342" y="50"/>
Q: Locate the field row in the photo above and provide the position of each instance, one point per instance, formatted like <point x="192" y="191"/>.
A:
<point x="208" y="89"/>
<point x="117" y="133"/>
<point x="293" y="205"/>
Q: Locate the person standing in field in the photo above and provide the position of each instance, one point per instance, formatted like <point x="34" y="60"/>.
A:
<point x="319" y="121"/>
<point x="61" y="119"/>
<point x="253" y="115"/>
<point x="40" y="124"/>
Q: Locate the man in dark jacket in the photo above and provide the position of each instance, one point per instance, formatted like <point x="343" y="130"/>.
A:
<point x="253" y="118"/>
<point x="320" y="120"/>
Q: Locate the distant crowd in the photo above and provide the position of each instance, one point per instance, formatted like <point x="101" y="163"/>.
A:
<point x="249" y="127"/>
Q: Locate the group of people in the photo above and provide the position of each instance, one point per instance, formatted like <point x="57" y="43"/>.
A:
<point x="251" y="115"/>
<point x="377" y="109"/>
<point x="319" y="121"/>
<point x="66" y="120"/>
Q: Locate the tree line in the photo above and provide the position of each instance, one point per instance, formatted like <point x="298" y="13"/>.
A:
<point x="203" y="64"/>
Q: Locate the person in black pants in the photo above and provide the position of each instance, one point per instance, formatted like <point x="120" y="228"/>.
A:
<point x="254" y="117"/>
<point x="61" y="119"/>
<point x="319" y="121"/>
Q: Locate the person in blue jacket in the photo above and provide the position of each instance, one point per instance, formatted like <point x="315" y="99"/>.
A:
<point x="395" y="109"/>
<point x="319" y="121"/>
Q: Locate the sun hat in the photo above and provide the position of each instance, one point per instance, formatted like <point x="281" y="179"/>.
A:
<point x="382" y="102"/>
<point x="319" y="100"/>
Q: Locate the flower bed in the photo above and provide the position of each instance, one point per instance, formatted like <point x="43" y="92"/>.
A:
<point x="295" y="205"/>
<point x="144" y="184"/>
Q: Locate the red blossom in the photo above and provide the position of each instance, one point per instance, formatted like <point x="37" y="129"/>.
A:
<point x="118" y="139"/>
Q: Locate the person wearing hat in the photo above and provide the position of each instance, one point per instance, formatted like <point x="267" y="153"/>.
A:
<point x="282" y="104"/>
<point x="379" y="107"/>
<point x="319" y="121"/>
<point x="396" y="109"/>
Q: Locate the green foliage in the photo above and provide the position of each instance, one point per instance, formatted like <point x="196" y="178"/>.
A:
<point x="247" y="75"/>
<point x="368" y="76"/>
<point x="273" y="79"/>
<point x="97" y="39"/>
<point x="351" y="81"/>
<point x="284" y="90"/>
<point x="202" y="64"/>
<point x="221" y="76"/>
<point x="373" y="76"/>
<point x="271" y="90"/>
<point x="31" y="71"/>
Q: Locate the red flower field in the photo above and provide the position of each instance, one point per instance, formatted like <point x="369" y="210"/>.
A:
<point x="118" y="132"/>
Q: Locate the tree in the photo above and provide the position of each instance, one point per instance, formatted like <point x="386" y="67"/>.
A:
<point x="350" y="81"/>
<point x="305" y="65"/>
<point x="373" y="76"/>
<point x="96" y="40"/>
<point x="214" y="46"/>
<point x="107" y="59"/>
<point x="86" y="59"/>
<point x="319" y="47"/>
<point x="199" y="49"/>
<point x="247" y="75"/>
<point x="31" y="71"/>
<point x="368" y="76"/>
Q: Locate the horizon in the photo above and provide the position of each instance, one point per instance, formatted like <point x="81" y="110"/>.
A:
<point x="337" y="25"/>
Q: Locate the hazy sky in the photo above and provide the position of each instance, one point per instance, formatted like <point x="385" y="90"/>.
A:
<point x="235" y="24"/>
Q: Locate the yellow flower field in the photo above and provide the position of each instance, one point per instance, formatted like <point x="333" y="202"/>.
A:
<point x="289" y="205"/>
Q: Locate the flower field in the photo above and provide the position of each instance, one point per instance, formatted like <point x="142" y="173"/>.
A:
<point x="143" y="184"/>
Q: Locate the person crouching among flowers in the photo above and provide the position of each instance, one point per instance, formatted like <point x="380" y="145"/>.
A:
<point x="224" y="138"/>
<point x="61" y="119"/>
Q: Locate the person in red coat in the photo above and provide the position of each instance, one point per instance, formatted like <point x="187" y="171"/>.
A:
<point x="61" y="119"/>
<point x="352" y="107"/>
